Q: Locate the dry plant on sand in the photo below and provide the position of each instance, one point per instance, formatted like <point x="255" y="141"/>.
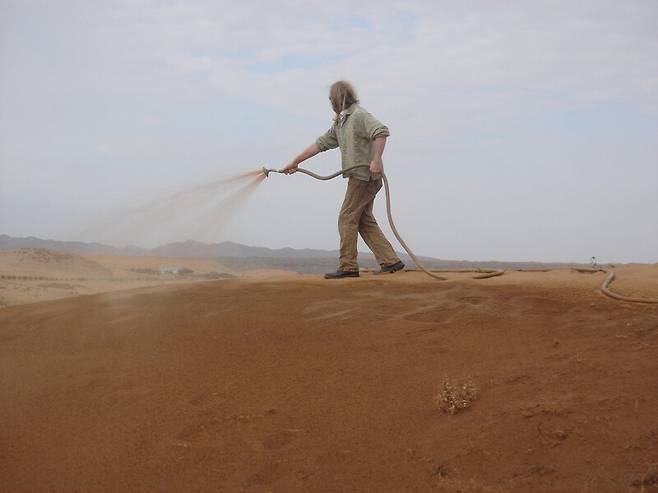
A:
<point x="455" y="396"/>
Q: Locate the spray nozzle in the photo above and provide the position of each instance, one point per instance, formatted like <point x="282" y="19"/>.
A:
<point x="267" y="171"/>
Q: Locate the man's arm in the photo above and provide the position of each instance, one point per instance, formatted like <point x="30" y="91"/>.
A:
<point x="376" y="165"/>
<point x="307" y="153"/>
<point x="323" y="143"/>
<point x="377" y="132"/>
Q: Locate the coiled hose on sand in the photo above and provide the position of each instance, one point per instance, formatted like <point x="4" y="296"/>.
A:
<point x="484" y="274"/>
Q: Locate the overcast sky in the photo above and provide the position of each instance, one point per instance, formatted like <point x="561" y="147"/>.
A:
<point x="519" y="130"/>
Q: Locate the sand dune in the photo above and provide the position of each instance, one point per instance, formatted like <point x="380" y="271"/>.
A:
<point x="41" y="262"/>
<point x="300" y="384"/>
<point x="30" y="275"/>
<point x="49" y="263"/>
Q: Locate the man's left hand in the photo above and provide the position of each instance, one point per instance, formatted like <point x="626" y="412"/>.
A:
<point x="376" y="166"/>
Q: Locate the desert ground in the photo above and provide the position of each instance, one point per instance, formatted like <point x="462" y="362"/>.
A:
<point x="273" y="383"/>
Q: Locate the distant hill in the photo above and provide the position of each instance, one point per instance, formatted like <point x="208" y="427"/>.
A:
<point x="78" y="247"/>
<point x="49" y="263"/>
<point x="238" y="256"/>
<point x="187" y="248"/>
<point x="191" y="248"/>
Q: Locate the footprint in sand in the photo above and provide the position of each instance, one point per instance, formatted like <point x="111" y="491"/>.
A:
<point x="472" y="300"/>
<point x="265" y="476"/>
<point x="198" y="400"/>
<point x="334" y="457"/>
<point x="278" y="439"/>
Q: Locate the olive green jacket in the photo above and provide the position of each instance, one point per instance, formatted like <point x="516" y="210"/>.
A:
<point x="353" y="131"/>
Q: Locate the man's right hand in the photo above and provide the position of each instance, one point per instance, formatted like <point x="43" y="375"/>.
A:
<point x="310" y="151"/>
<point x="291" y="168"/>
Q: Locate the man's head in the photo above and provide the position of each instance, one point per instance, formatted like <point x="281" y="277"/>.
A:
<point x="342" y="95"/>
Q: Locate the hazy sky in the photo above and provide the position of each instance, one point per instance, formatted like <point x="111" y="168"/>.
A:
<point x="519" y="130"/>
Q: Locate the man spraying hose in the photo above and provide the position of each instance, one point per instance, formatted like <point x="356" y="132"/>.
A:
<point x="361" y="139"/>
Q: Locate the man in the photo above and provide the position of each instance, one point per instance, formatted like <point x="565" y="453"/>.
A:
<point x="361" y="139"/>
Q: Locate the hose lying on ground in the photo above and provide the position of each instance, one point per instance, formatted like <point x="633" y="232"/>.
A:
<point x="485" y="274"/>
<point x="605" y="287"/>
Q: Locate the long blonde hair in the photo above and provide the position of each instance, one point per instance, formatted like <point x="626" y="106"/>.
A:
<point x="342" y="95"/>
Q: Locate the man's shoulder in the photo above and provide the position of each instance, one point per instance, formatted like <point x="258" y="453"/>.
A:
<point x="360" y="113"/>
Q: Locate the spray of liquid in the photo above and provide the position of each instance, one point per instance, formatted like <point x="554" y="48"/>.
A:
<point x="214" y="218"/>
<point x="197" y="212"/>
<point x="198" y="192"/>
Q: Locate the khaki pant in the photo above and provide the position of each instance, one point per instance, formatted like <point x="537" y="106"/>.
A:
<point x="356" y="217"/>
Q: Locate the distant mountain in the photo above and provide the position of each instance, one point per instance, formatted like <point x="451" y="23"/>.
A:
<point x="191" y="248"/>
<point x="237" y="256"/>
<point x="187" y="248"/>
<point x="79" y="247"/>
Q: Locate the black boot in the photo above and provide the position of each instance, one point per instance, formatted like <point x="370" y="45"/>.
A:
<point x="390" y="269"/>
<point x="339" y="274"/>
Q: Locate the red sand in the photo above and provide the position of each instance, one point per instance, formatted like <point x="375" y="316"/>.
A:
<point x="315" y="386"/>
